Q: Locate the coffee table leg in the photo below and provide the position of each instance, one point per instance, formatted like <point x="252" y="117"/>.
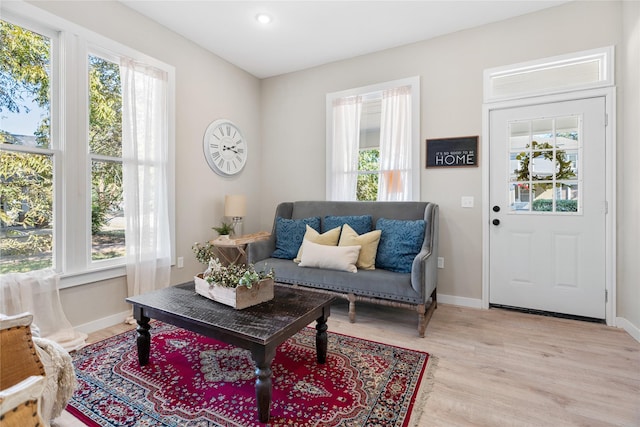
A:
<point x="321" y="339"/>
<point x="144" y="340"/>
<point x="263" y="361"/>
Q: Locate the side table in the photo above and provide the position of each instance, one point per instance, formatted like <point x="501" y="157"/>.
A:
<point x="232" y="250"/>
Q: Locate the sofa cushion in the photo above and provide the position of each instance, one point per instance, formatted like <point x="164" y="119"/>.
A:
<point x="360" y="223"/>
<point x="289" y="235"/>
<point x="341" y="258"/>
<point x="368" y="242"/>
<point x="329" y="238"/>
<point x="400" y="242"/>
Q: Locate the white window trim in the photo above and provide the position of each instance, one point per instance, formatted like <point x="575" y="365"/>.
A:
<point x="603" y="56"/>
<point x="414" y="83"/>
<point x="74" y="42"/>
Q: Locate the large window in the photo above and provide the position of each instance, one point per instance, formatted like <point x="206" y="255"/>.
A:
<point x="373" y="146"/>
<point x="62" y="177"/>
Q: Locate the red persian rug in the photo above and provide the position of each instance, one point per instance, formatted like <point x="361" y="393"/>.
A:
<point x="192" y="380"/>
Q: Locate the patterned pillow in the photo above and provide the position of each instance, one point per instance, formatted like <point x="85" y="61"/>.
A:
<point x="360" y="223"/>
<point x="289" y="235"/>
<point x="400" y="242"/>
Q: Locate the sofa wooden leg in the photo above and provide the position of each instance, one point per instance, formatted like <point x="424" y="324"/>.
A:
<point x="422" y="320"/>
<point x="352" y="308"/>
<point x="424" y="316"/>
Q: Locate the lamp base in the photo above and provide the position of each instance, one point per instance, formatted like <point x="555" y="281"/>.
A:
<point x="237" y="226"/>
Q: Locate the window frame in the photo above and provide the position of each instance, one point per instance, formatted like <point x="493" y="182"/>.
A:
<point x="71" y="46"/>
<point x="414" y="84"/>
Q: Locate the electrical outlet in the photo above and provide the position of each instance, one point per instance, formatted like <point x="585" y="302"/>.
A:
<point x="466" y="201"/>
<point x="180" y="262"/>
<point x="440" y="262"/>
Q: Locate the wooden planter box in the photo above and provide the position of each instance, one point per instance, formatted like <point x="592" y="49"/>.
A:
<point x="238" y="298"/>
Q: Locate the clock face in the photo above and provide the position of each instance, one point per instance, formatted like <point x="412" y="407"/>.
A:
<point x="225" y="148"/>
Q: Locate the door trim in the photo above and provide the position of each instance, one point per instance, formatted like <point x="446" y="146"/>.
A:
<point x="609" y="94"/>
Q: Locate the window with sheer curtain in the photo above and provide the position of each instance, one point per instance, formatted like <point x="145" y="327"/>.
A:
<point x="373" y="142"/>
<point x="107" y="121"/>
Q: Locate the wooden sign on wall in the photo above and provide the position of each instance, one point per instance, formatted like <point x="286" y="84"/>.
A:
<point x="452" y="152"/>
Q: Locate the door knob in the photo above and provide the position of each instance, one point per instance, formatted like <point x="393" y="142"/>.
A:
<point x="496" y="208"/>
<point x="496" y="221"/>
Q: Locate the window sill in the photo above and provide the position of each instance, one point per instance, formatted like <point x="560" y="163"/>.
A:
<point x="71" y="280"/>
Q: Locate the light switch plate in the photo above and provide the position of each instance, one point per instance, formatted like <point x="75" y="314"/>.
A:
<point x="466" y="201"/>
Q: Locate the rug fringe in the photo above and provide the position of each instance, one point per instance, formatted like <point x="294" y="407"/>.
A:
<point x="426" y="387"/>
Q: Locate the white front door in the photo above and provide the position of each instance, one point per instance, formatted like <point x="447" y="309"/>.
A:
<point x="547" y="207"/>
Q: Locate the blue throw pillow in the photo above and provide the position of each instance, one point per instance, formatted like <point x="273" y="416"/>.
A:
<point x="361" y="224"/>
<point x="289" y="235"/>
<point x="400" y="242"/>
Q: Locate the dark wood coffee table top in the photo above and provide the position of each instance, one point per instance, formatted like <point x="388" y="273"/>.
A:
<point x="291" y="308"/>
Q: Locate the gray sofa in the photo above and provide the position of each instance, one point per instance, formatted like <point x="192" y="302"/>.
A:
<point x="415" y="290"/>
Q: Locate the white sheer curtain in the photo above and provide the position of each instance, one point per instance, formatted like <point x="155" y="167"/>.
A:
<point x="145" y="175"/>
<point x="38" y="293"/>
<point x="394" y="182"/>
<point x="346" y="139"/>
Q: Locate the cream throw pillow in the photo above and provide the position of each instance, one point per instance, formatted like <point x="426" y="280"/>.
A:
<point x="368" y="242"/>
<point x="329" y="238"/>
<point x="333" y="257"/>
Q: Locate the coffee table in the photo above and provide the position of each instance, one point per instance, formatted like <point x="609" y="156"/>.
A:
<point x="260" y="328"/>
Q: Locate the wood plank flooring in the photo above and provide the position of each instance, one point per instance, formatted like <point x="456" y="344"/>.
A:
<point x="503" y="368"/>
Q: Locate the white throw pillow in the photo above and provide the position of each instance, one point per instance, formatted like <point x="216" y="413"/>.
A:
<point x="332" y="257"/>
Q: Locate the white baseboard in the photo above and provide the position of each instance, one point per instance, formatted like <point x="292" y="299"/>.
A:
<point x="629" y="327"/>
<point x="105" y="322"/>
<point x="461" y="301"/>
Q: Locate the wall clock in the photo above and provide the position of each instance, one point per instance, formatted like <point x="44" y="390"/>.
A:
<point x="225" y="148"/>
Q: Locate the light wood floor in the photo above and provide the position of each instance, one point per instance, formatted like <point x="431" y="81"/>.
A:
<point x="503" y="368"/>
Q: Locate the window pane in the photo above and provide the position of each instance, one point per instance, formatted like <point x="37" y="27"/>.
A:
<point x="542" y="197"/>
<point x="105" y="100"/>
<point x="368" y="161"/>
<point x="367" y="189"/>
<point x="567" y="197"/>
<point x="520" y="197"/>
<point x="107" y="217"/>
<point x="26" y="209"/>
<point x="519" y="135"/>
<point x="24" y="87"/>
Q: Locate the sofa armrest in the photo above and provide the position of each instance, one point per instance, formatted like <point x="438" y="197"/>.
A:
<point x="424" y="270"/>
<point x="262" y="249"/>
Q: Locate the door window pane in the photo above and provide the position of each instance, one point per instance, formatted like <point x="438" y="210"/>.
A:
<point x="544" y="172"/>
<point x="26" y="202"/>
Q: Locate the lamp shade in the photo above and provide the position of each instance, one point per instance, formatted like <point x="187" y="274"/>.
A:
<point x="235" y="205"/>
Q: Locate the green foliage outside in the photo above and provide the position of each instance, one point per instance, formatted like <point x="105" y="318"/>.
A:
<point x="367" y="189"/>
<point x="546" y="205"/>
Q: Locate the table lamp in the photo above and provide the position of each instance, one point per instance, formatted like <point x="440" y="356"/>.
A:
<point x="235" y="207"/>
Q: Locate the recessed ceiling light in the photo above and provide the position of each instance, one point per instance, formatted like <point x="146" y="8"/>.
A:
<point x="263" y="18"/>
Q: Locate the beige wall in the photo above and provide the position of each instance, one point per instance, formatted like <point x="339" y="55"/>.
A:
<point x="628" y="193"/>
<point x="284" y="120"/>
<point x="207" y="88"/>
<point x="451" y="70"/>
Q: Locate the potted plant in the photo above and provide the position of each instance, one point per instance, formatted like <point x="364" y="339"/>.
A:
<point x="224" y="230"/>
<point x="237" y="285"/>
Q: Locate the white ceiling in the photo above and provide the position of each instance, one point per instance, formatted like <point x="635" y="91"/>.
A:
<point x="305" y="34"/>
